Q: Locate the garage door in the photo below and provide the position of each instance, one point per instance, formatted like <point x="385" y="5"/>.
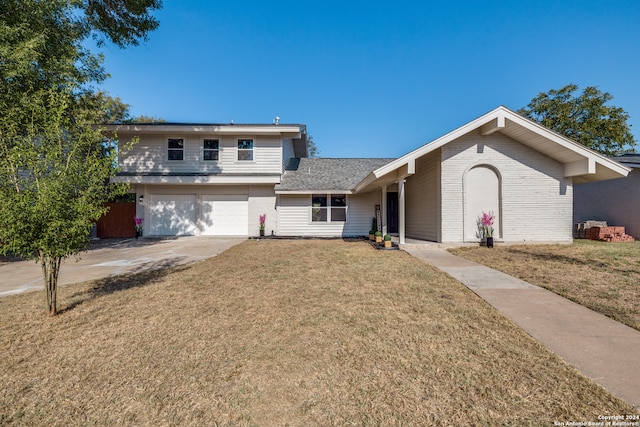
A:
<point x="172" y="214"/>
<point x="226" y="215"/>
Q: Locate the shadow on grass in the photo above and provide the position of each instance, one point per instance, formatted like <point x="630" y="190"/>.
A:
<point x="571" y="260"/>
<point x="142" y="275"/>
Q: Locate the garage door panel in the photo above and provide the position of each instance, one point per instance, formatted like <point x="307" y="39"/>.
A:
<point x="172" y="215"/>
<point x="225" y="215"/>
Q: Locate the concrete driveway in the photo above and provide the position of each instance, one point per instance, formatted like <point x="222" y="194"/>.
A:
<point x="113" y="257"/>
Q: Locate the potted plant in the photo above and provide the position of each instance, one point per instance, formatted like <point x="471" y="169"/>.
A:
<point x="138" y="224"/>
<point x="486" y="221"/>
<point x="378" y="236"/>
<point x="374" y="228"/>
<point x="387" y="241"/>
<point x="263" y="218"/>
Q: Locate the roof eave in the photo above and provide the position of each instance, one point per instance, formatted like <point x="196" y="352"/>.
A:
<point x="584" y="166"/>
<point x="293" y="131"/>
<point x="303" y="192"/>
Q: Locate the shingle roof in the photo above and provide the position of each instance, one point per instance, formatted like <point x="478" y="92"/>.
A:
<point x="304" y="174"/>
<point x="630" y="160"/>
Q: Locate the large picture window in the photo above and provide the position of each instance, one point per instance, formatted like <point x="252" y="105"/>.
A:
<point x="175" y="149"/>
<point x="328" y="208"/>
<point x="245" y="149"/>
<point x="211" y="149"/>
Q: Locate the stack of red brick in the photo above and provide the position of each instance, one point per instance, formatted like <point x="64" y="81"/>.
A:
<point x="608" y="234"/>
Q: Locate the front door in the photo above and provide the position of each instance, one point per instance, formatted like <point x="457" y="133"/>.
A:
<point x="392" y="212"/>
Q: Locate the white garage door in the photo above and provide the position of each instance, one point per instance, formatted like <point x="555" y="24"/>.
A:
<point x="225" y="215"/>
<point x="172" y="214"/>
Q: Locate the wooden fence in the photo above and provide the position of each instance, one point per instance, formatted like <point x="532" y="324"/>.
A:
<point x="118" y="222"/>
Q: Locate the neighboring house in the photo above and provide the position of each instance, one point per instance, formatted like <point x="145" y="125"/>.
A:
<point x="616" y="201"/>
<point x="218" y="179"/>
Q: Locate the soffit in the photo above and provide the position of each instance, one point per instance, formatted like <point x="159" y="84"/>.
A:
<point x="521" y="130"/>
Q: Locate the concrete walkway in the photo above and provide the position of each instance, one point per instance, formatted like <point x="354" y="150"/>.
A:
<point x="114" y="257"/>
<point x="604" y="350"/>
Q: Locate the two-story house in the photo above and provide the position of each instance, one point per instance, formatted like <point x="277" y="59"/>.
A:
<point x="218" y="179"/>
<point x="206" y="179"/>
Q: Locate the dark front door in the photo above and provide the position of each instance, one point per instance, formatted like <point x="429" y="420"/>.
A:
<point x="392" y="212"/>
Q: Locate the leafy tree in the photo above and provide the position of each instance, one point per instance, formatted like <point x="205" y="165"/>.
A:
<point x="110" y="110"/>
<point x="312" y="148"/>
<point x="584" y="118"/>
<point x="113" y="110"/>
<point x="146" y="119"/>
<point x="54" y="164"/>
<point x="53" y="184"/>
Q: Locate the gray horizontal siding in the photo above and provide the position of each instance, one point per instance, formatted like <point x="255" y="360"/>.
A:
<point x="149" y="155"/>
<point x="294" y="216"/>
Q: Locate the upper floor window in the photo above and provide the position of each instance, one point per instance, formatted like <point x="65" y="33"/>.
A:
<point x="245" y="149"/>
<point x="328" y="207"/>
<point x="176" y="149"/>
<point x="211" y="149"/>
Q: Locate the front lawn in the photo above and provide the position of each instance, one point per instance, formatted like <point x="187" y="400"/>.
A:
<point x="604" y="277"/>
<point x="274" y="333"/>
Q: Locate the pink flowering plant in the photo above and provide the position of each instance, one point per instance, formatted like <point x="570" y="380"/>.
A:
<point x="486" y="221"/>
<point x="263" y="218"/>
<point x="138" y="222"/>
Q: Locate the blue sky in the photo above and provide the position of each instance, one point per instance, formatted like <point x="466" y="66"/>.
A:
<point x="372" y="78"/>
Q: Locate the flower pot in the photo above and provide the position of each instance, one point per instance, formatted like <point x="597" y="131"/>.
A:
<point x="489" y="242"/>
<point x="138" y="234"/>
<point x="378" y="239"/>
<point x="387" y="243"/>
<point x="261" y="233"/>
<point x="372" y="237"/>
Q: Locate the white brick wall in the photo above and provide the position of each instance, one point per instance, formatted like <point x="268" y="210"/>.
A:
<point x="423" y="199"/>
<point x="536" y="199"/>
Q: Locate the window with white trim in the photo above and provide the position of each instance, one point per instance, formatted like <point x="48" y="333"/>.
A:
<point x="175" y="149"/>
<point x="328" y="207"/>
<point x="211" y="149"/>
<point x="245" y="149"/>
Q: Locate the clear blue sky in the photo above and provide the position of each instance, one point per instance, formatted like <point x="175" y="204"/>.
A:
<point x="372" y="78"/>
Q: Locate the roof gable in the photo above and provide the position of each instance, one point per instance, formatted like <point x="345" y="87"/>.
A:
<point x="581" y="163"/>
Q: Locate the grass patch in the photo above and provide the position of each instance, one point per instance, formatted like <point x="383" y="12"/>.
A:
<point x="604" y="277"/>
<point x="282" y="333"/>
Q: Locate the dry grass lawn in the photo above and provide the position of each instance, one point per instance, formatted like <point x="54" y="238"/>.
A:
<point x="604" y="277"/>
<point x="275" y="333"/>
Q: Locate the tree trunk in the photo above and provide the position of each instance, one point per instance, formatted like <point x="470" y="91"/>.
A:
<point x="50" y="269"/>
